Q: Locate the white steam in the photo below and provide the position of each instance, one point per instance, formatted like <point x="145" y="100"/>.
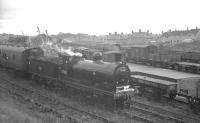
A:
<point x="70" y="52"/>
<point x="51" y="48"/>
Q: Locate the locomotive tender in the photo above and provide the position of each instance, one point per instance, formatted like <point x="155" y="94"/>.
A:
<point x="108" y="81"/>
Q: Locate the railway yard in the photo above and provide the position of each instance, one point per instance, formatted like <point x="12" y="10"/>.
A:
<point x="88" y="86"/>
<point x="52" y="105"/>
<point x="99" y="61"/>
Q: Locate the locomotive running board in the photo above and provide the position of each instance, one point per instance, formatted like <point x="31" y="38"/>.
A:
<point x="70" y="83"/>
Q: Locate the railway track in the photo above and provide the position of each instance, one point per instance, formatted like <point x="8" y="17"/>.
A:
<point x="150" y="116"/>
<point x="139" y="112"/>
<point x="48" y="103"/>
<point x="115" y="118"/>
<point x="168" y="116"/>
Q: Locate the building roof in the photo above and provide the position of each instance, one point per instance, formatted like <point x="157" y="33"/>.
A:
<point x="180" y="33"/>
<point x="160" y="81"/>
<point x="161" y="72"/>
<point x="139" y="46"/>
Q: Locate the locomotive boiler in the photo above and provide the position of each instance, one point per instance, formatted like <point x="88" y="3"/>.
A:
<point x="103" y="80"/>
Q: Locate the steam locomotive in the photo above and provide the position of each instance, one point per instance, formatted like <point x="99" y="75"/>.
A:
<point x="107" y="82"/>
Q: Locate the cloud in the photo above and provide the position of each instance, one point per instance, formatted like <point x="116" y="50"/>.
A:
<point x="1" y="5"/>
<point x="97" y="16"/>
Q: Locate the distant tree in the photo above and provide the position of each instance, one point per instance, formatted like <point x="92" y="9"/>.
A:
<point x="140" y="30"/>
<point x="147" y="31"/>
<point x="132" y="32"/>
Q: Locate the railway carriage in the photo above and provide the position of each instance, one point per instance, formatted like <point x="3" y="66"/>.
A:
<point x="17" y="58"/>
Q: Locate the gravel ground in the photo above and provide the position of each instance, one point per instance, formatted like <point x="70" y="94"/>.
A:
<point x="14" y="111"/>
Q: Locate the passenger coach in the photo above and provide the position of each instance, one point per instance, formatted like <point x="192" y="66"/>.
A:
<point x="18" y="57"/>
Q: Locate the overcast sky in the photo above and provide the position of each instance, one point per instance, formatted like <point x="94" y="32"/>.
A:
<point x="97" y="16"/>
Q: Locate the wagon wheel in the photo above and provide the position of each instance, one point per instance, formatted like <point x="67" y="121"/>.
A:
<point x="194" y="104"/>
<point x="172" y="96"/>
<point x="157" y="94"/>
<point x="128" y="102"/>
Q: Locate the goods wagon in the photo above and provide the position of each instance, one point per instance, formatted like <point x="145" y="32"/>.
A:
<point x="138" y="53"/>
<point x="189" y="88"/>
<point x="154" y="85"/>
<point x="187" y="66"/>
<point x="191" y="57"/>
<point x="187" y="83"/>
<point x="170" y="59"/>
